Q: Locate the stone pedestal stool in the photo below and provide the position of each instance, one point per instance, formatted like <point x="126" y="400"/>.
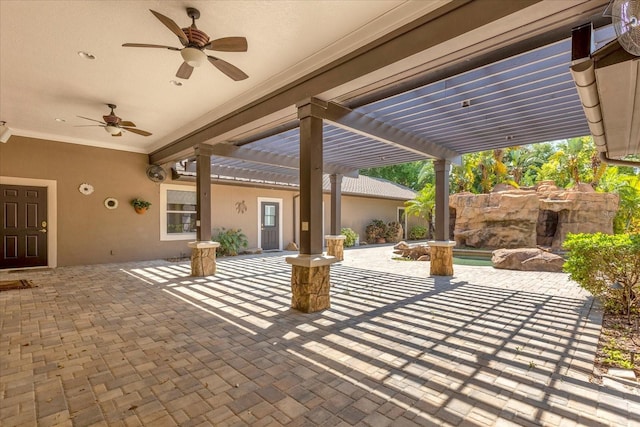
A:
<point x="335" y="246"/>
<point x="203" y="258"/>
<point x="441" y="263"/>
<point x="310" y="282"/>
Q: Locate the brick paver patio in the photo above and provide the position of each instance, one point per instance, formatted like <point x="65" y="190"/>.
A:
<point x="146" y="344"/>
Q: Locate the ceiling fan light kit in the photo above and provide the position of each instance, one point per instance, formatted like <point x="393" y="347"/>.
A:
<point x="193" y="56"/>
<point x="114" y="125"/>
<point x="113" y="130"/>
<point x="194" y="42"/>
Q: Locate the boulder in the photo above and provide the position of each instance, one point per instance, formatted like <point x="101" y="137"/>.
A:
<point x="527" y="259"/>
<point x="401" y="245"/>
<point x="413" y="252"/>
<point x="291" y="247"/>
<point x="502" y="187"/>
<point x="498" y="220"/>
<point x="538" y="216"/>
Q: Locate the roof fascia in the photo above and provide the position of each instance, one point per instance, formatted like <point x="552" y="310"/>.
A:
<point x="274" y="159"/>
<point x="449" y="21"/>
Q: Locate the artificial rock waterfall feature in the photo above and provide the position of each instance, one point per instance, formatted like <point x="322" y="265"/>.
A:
<point x="539" y="216"/>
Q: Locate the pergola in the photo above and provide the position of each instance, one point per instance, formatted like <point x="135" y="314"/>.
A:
<point x="401" y="99"/>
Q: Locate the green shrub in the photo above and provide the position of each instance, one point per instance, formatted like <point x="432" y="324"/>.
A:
<point x="350" y="237"/>
<point x="615" y="356"/>
<point x="230" y="241"/>
<point x="417" y="232"/>
<point x="608" y="266"/>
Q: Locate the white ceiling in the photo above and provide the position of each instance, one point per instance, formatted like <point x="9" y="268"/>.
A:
<point x="42" y="77"/>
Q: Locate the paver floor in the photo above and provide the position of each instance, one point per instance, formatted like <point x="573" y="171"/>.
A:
<point x="146" y="344"/>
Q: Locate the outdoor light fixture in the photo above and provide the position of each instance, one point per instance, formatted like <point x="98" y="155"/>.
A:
<point x="113" y="130"/>
<point x="193" y="56"/>
<point x="5" y="132"/>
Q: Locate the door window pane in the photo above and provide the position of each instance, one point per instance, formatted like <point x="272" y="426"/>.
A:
<point x="269" y="215"/>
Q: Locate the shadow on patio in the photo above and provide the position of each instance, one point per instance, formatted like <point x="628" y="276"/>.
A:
<point x="152" y="345"/>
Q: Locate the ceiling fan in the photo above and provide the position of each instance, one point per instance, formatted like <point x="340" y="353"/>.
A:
<point x="194" y="43"/>
<point x="115" y="125"/>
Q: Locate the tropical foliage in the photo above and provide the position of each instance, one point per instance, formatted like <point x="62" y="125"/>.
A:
<point x="231" y="241"/>
<point x="608" y="266"/>
<point x="350" y="237"/>
<point x="627" y="219"/>
<point x="423" y="205"/>
<point x="566" y="163"/>
<point x="376" y="231"/>
<point x="407" y="174"/>
<point x="394" y="232"/>
<point x="417" y="232"/>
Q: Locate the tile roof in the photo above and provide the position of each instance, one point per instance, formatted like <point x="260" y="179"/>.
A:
<point x="372" y="187"/>
<point x="362" y="186"/>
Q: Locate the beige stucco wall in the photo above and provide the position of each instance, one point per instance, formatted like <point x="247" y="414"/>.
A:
<point x="88" y="233"/>
<point x="224" y="213"/>
<point x="358" y="212"/>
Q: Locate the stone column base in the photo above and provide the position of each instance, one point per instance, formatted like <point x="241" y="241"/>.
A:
<point x="335" y="246"/>
<point x="441" y="263"/>
<point x="203" y="258"/>
<point x="310" y="282"/>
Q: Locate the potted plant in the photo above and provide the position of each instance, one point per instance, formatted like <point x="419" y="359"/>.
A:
<point x="394" y="232"/>
<point x="376" y="231"/>
<point x="140" y="205"/>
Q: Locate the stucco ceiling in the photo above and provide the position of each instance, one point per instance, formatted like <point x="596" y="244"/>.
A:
<point x="42" y="77"/>
<point x="359" y="56"/>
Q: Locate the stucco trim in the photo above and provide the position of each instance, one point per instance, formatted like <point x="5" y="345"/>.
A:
<point x="52" y="211"/>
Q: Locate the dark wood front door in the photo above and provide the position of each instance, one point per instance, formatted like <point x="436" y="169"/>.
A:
<point x="23" y="226"/>
<point x="270" y="236"/>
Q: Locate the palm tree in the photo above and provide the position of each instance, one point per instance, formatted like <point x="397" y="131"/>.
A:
<point x="462" y="176"/>
<point x="519" y="160"/>
<point x="423" y="205"/>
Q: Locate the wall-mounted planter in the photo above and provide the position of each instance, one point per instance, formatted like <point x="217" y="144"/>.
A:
<point x="140" y="205"/>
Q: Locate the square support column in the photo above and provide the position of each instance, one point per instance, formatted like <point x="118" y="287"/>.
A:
<point x="441" y="263"/>
<point x="336" y="203"/>
<point x="203" y="193"/>
<point x="310" y="178"/>
<point x="203" y="251"/>
<point x="442" y="168"/>
<point x="310" y="278"/>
